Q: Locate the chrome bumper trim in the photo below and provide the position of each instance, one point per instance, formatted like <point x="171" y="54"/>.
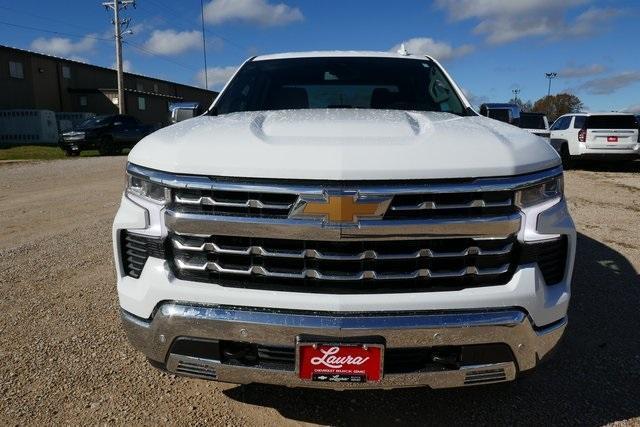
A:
<point x="513" y="327"/>
<point x="500" y="226"/>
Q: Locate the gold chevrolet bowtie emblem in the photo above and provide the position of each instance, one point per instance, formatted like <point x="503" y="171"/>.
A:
<point x="341" y="208"/>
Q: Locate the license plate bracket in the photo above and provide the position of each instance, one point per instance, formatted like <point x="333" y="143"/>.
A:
<point x="337" y="360"/>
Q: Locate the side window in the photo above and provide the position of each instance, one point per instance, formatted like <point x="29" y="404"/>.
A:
<point x="579" y="122"/>
<point x="557" y="125"/>
<point x="142" y="103"/>
<point x="15" y="70"/>
<point x="564" y="123"/>
<point x="66" y="72"/>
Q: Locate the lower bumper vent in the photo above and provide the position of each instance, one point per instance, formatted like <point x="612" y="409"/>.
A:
<point x="483" y="376"/>
<point x="196" y="369"/>
<point x="136" y="248"/>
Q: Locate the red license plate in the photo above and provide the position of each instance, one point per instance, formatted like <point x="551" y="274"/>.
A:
<point x="343" y="363"/>
<point x="612" y="139"/>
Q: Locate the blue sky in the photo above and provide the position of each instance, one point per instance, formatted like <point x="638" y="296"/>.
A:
<point x="489" y="46"/>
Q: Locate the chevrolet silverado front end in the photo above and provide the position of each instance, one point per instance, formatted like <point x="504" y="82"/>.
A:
<point x="344" y="220"/>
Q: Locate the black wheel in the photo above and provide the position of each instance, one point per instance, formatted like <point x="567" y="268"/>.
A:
<point x="72" y="153"/>
<point x="105" y="146"/>
<point x="567" y="163"/>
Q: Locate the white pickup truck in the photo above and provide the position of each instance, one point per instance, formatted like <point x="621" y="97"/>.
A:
<point x="344" y="220"/>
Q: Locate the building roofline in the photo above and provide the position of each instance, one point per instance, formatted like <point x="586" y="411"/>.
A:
<point x="73" y="61"/>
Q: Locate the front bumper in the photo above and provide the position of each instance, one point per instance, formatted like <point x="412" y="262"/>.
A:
<point x="528" y="344"/>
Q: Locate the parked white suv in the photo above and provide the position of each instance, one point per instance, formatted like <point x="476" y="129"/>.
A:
<point x="596" y="135"/>
<point x="344" y="220"/>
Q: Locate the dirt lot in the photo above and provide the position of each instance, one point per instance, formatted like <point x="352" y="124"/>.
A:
<point x="65" y="359"/>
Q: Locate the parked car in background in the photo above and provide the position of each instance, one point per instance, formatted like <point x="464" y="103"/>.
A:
<point x="108" y="134"/>
<point x="508" y="113"/>
<point x="535" y="123"/>
<point x="596" y="135"/>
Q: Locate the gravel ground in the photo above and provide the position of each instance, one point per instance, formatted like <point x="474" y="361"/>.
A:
<point x="65" y="359"/>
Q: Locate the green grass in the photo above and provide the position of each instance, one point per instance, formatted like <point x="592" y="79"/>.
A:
<point x="38" y="152"/>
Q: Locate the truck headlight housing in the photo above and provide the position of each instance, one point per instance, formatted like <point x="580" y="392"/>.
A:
<point x="143" y="187"/>
<point x="540" y="193"/>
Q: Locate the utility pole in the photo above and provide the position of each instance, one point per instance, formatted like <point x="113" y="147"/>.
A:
<point x="204" y="47"/>
<point x="550" y="76"/>
<point x="116" y="6"/>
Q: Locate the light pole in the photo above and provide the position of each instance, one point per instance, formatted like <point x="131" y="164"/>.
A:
<point x="550" y="76"/>
<point x="515" y="94"/>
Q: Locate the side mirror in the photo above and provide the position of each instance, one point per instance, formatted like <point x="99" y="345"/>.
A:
<point x="180" y="114"/>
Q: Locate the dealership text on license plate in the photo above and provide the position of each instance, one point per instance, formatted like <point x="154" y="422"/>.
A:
<point x="344" y="363"/>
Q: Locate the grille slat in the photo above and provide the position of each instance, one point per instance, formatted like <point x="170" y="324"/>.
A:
<point x="315" y="254"/>
<point x="250" y="203"/>
<point x="431" y="205"/>
<point x="363" y="275"/>
<point x="323" y="266"/>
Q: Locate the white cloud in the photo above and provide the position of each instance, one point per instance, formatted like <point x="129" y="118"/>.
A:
<point x="573" y="72"/>
<point x="60" y="46"/>
<point x="474" y="100"/>
<point x="172" y="42"/>
<point x="426" y="46"/>
<point x="254" y="11"/>
<point x="126" y="66"/>
<point x="633" y="109"/>
<point x="610" y="84"/>
<point x="502" y="21"/>
<point x="217" y="76"/>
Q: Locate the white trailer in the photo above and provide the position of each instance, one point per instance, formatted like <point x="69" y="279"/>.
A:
<point x="28" y="127"/>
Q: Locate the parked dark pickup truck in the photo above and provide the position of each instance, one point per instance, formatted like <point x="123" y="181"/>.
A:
<point x="109" y="134"/>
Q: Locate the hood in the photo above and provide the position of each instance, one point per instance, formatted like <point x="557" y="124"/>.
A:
<point x="344" y="144"/>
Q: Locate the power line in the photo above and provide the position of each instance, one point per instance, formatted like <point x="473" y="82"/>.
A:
<point x="173" y="13"/>
<point x="103" y="39"/>
<point x="47" y="18"/>
<point x="149" y="52"/>
<point x="60" y="33"/>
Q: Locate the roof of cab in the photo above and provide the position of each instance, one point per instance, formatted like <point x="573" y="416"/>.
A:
<point x="337" y="54"/>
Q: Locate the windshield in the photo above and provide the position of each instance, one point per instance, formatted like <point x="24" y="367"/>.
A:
<point x="340" y="82"/>
<point x="532" y="121"/>
<point x="94" y="122"/>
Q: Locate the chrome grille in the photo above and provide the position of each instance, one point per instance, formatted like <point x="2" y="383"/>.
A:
<point x="429" y="205"/>
<point x="322" y="266"/>
<point x="434" y="235"/>
<point x="419" y="202"/>
<point x="241" y="203"/>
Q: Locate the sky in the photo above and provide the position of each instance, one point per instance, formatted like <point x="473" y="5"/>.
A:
<point x="490" y="47"/>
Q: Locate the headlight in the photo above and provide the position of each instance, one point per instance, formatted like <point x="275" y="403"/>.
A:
<point x="142" y="187"/>
<point x="540" y="193"/>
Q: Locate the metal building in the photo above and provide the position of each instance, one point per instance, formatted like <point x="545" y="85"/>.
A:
<point x="30" y="80"/>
